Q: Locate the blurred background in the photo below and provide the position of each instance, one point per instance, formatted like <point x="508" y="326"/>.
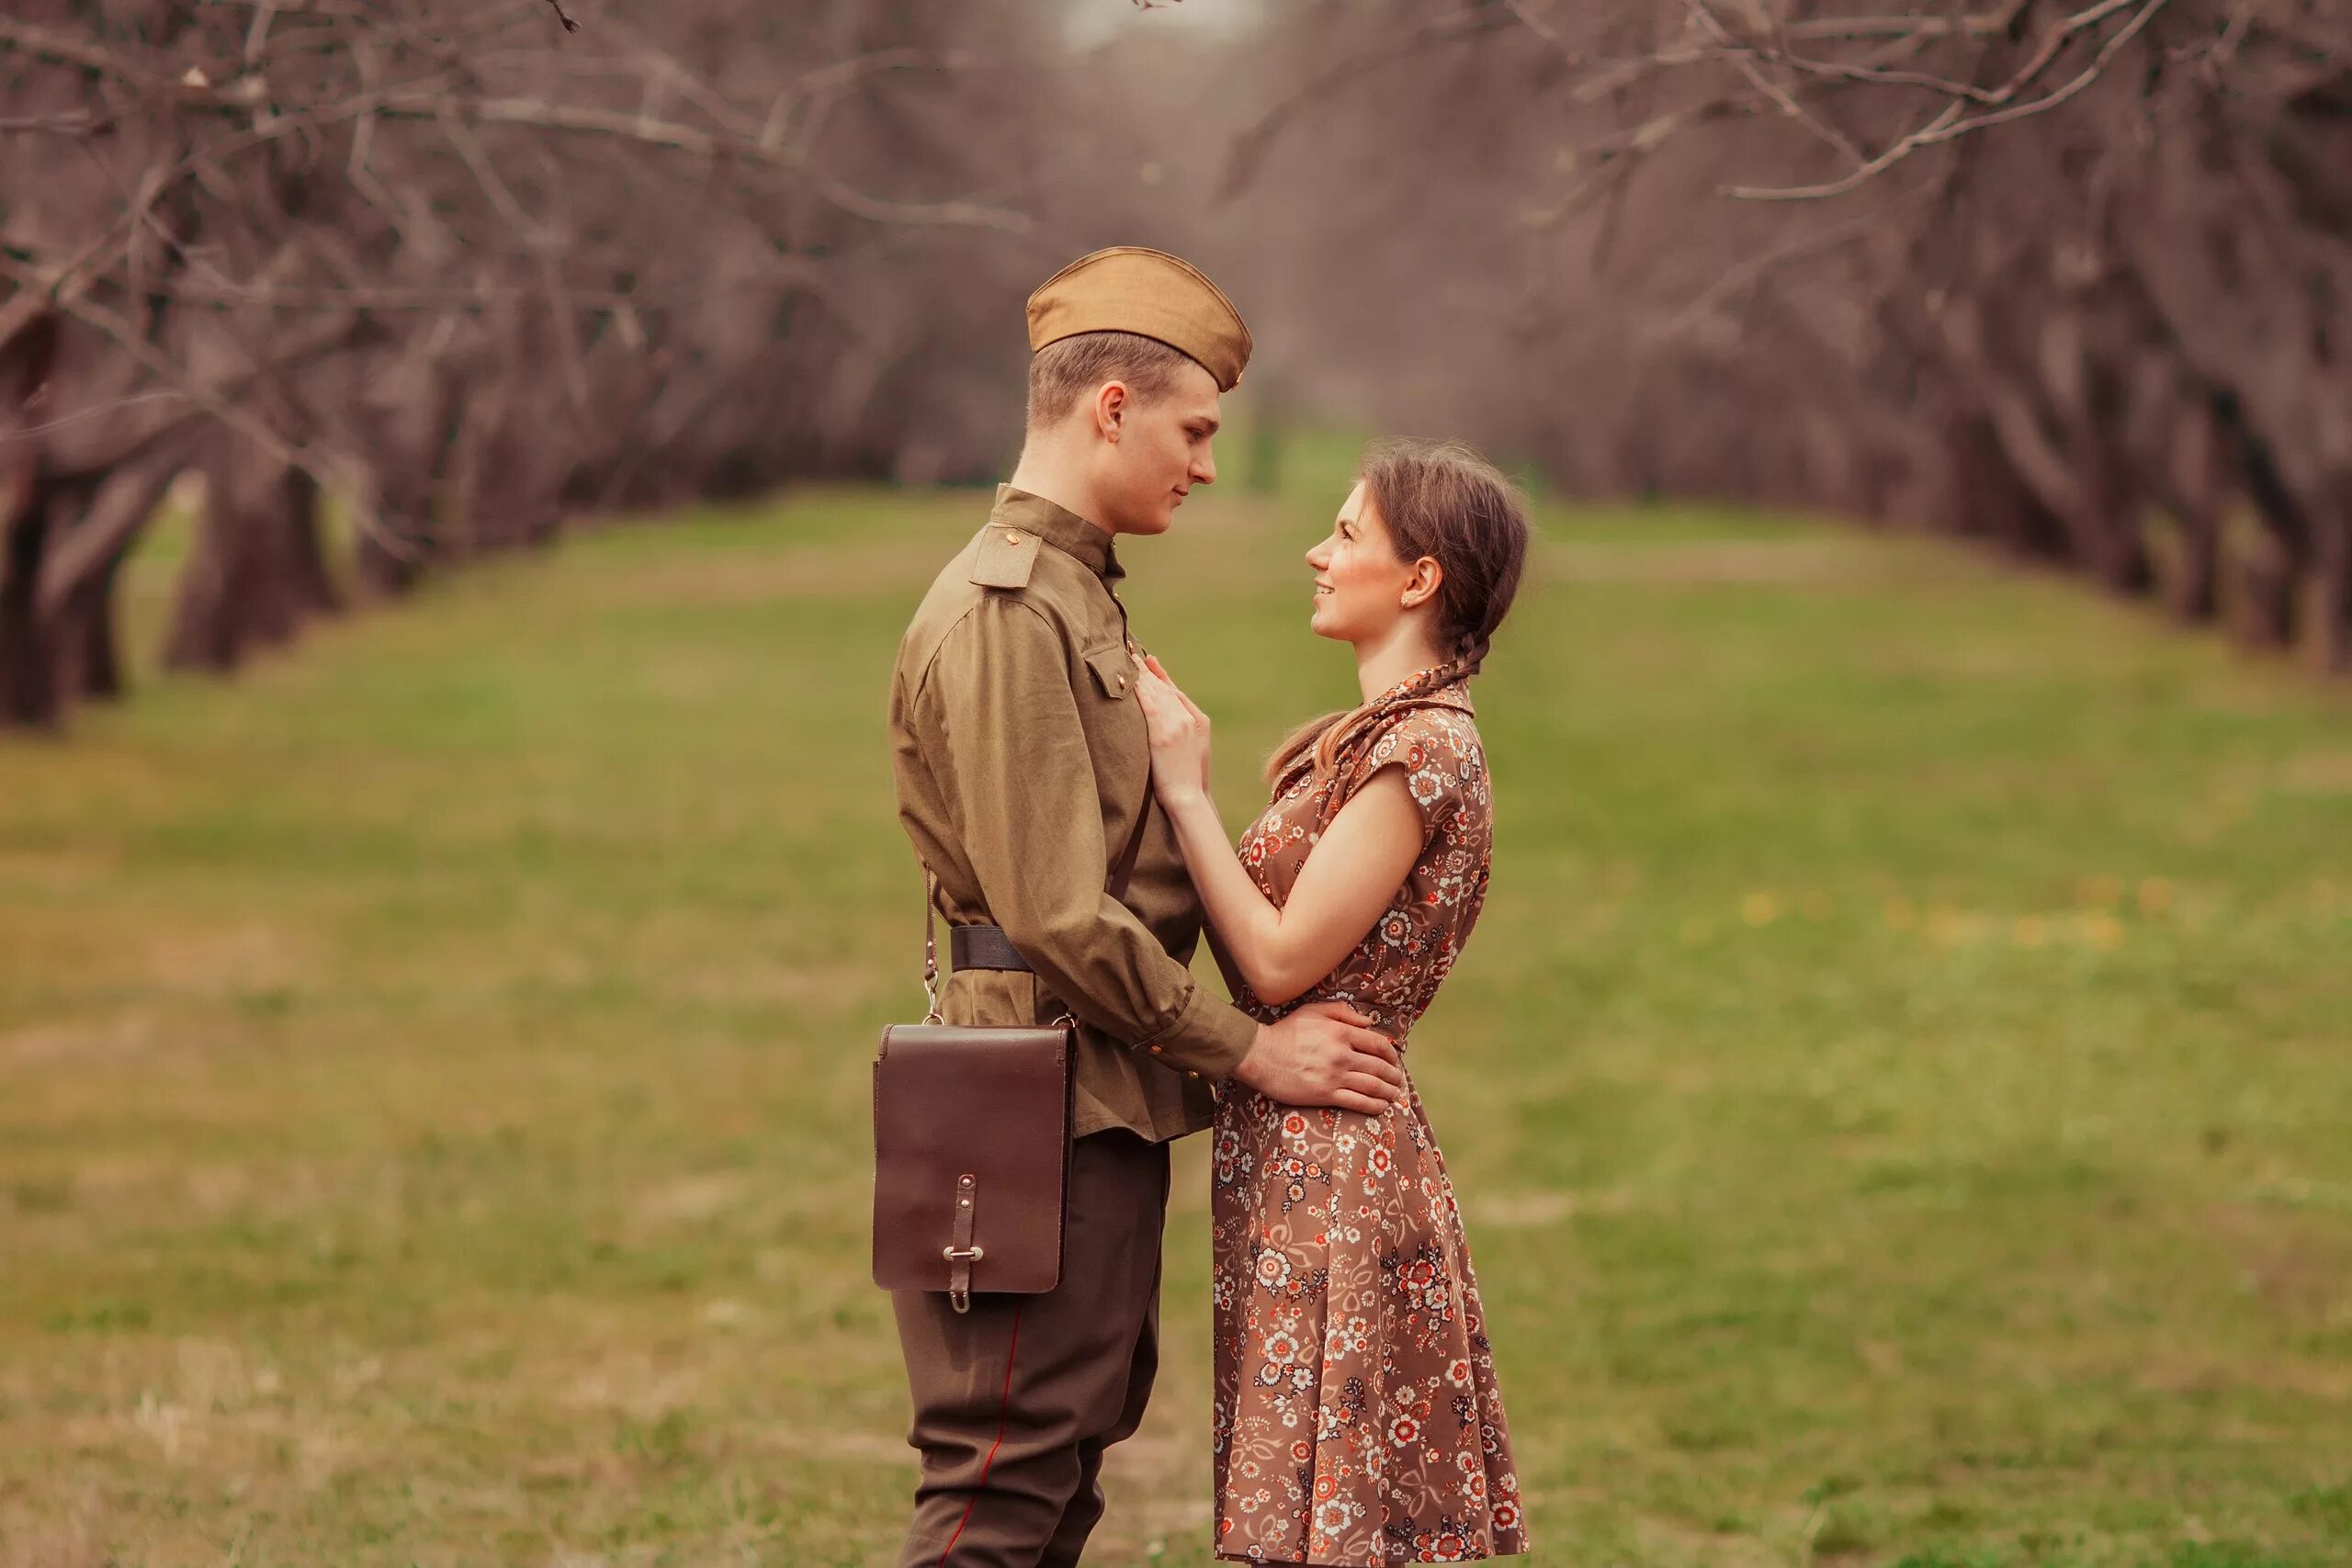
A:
<point x="464" y="469"/>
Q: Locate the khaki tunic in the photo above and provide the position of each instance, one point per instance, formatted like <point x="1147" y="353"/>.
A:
<point x="1020" y="757"/>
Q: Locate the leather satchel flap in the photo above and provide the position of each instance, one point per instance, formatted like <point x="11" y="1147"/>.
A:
<point x="993" y="1101"/>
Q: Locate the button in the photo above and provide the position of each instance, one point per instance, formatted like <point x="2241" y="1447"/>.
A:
<point x="1011" y="537"/>
<point x="1155" y="1050"/>
<point x="1121" y="682"/>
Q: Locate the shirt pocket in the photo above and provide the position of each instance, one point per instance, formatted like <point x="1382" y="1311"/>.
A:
<point x="1114" y="670"/>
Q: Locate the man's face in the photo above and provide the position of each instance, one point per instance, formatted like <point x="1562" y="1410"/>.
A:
<point x="1162" y="451"/>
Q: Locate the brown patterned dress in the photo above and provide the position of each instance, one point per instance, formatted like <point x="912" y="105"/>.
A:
<point x="1357" y="1416"/>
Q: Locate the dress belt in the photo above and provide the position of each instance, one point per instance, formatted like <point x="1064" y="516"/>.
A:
<point x="982" y="947"/>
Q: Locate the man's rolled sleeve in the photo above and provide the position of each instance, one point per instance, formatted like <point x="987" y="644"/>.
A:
<point x="1006" y="743"/>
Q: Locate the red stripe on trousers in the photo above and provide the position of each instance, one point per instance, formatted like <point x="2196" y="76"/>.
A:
<point x="1003" y="1415"/>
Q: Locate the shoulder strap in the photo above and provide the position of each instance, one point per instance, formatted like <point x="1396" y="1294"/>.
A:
<point x="1005" y="557"/>
<point x="1126" y="866"/>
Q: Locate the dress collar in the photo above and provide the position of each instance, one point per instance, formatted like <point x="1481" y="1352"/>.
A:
<point x="1422" y="686"/>
<point x="1419" y="688"/>
<point x="1058" y="527"/>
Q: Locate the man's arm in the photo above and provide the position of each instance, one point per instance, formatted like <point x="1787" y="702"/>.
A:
<point x="1003" y="738"/>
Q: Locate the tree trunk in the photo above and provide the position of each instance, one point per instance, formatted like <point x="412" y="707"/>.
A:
<point x="2266" y="575"/>
<point x="30" y="695"/>
<point x="2191" y="584"/>
<point x="76" y="604"/>
<point x="2326" y="629"/>
<point x="82" y="632"/>
<point x="384" y="572"/>
<point x="2113" y="534"/>
<point x="255" y="571"/>
<point x="2186" y="463"/>
<point x="1993" y="501"/>
<point x="312" y="586"/>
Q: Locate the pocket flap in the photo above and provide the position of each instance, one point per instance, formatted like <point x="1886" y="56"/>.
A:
<point x="1114" y="670"/>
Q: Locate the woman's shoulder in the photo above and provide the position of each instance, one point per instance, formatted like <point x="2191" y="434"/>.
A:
<point x="1412" y="734"/>
<point x="1436" y="749"/>
<point x="1450" y="731"/>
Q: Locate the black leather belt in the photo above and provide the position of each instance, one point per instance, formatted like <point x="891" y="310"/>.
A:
<point x="982" y="947"/>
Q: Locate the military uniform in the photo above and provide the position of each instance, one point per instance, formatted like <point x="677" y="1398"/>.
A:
<point x="1019" y="755"/>
<point x="1021" y="761"/>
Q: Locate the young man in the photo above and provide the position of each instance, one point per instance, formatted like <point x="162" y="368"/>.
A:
<point x="1021" y="768"/>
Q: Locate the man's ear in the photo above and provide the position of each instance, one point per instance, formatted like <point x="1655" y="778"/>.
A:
<point x="1111" y="401"/>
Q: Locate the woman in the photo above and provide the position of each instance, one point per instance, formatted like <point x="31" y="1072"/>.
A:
<point x="1357" y="1418"/>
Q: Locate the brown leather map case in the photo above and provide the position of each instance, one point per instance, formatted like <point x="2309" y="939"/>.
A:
<point x="971" y="1157"/>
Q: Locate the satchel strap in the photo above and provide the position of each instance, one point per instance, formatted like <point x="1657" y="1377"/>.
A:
<point x="1120" y="872"/>
<point x="1118" y="887"/>
<point x="962" y="1252"/>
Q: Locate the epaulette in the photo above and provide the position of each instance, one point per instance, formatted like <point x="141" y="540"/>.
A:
<point x="1005" y="557"/>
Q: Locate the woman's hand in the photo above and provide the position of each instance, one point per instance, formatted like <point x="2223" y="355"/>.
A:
<point x="1179" y="734"/>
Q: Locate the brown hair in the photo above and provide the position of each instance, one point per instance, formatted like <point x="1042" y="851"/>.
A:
<point x="1066" y="368"/>
<point x="1438" y="499"/>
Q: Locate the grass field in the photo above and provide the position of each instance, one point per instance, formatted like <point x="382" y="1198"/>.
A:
<point x="1901" y="1089"/>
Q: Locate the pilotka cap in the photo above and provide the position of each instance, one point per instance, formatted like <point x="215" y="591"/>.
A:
<point x="1133" y="288"/>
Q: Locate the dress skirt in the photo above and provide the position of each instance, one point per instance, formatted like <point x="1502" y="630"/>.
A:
<point x="1357" y="1418"/>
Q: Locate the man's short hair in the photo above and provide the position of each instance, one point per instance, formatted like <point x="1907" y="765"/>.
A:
<point x="1067" y="368"/>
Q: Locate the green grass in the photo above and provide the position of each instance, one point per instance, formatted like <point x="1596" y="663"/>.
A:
<point x="1898" y="1090"/>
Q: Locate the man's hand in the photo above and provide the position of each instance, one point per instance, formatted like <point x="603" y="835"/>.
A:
<point x="1325" y="1054"/>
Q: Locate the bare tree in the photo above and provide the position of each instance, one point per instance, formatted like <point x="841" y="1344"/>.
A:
<point x="468" y="270"/>
<point x="2073" y="280"/>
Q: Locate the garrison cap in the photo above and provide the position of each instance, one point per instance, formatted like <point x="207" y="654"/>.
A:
<point x="1133" y="288"/>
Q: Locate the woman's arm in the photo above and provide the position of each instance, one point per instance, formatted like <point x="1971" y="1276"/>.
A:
<point x="1349" y="879"/>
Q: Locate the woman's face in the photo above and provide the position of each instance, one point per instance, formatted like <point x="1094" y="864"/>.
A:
<point x="1360" y="586"/>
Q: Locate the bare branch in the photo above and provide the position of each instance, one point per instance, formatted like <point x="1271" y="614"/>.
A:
<point x="1951" y="124"/>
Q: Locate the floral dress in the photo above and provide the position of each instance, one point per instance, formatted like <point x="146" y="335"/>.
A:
<point x="1357" y="1418"/>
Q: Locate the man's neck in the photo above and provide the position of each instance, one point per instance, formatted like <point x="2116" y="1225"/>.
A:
<point x="1048" y="474"/>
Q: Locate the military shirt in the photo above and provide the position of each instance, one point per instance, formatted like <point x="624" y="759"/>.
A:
<point x="1020" y="758"/>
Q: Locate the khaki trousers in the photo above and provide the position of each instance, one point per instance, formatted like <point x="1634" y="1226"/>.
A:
<point x="1015" y="1401"/>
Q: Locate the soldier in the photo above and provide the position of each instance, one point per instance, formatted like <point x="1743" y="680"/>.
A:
<point x="1020" y="756"/>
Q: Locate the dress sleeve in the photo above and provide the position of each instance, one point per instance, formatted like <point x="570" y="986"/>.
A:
<point x="1438" y="754"/>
